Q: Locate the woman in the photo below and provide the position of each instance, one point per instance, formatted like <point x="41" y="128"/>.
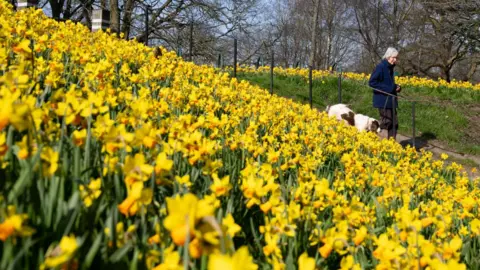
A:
<point x="382" y="81"/>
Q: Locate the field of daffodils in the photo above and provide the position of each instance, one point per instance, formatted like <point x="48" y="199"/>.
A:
<point x="114" y="157"/>
<point x="408" y="81"/>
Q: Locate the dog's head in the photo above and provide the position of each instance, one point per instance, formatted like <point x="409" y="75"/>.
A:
<point x="373" y="125"/>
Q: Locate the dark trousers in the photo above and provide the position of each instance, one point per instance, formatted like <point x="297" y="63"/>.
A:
<point x="387" y="121"/>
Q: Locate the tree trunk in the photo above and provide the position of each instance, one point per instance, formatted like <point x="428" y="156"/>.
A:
<point x="395" y="24"/>
<point x="114" y="16"/>
<point x="87" y="14"/>
<point x="127" y="18"/>
<point x="57" y="8"/>
<point x="329" y="48"/>
<point x="313" y="49"/>
<point x="472" y="70"/>
<point x="446" y="70"/>
<point x="67" y="14"/>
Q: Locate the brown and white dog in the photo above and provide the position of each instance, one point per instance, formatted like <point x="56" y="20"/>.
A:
<point x="362" y="122"/>
<point x="365" y="123"/>
<point x="342" y="113"/>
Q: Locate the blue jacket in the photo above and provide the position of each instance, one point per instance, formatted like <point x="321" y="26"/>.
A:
<point x="383" y="79"/>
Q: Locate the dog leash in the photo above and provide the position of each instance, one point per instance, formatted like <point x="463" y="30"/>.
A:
<point x="403" y="97"/>
<point x="420" y="101"/>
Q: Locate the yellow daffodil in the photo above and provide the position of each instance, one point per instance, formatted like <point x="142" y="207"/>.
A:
<point x="62" y="253"/>
<point x="305" y="262"/>
<point x="79" y="137"/>
<point x="184" y="213"/>
<point x="162" y="163"/>
<point x="136" y="198"/>
<point x="14" y="225"/>
<point x="50" y="160"/>
<point x="220" y="187"/>
<point x="241" y="260"/>
<point x="171" y="261"/>
<point x="360" y="235"/>
<point x="91" y="192"/>
<point x="230" y="226"/>
<point x="122" y="236"/>
<point x="293" y="175"/>
<point x="136" y="169"/>
<point x="184" y="180"/>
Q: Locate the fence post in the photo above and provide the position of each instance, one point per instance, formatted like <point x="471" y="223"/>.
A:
<point x="147" y="9"/>
<point x="21" y="4"/>
<point x="100" y="19"/>
<point x="310" y="84"/>
<point x="394" y="108"/>
<point x="339" y="84"/>
<point x="235" y="58"/>
<point x="272" y="64"/>
<point x="219" y="61"/>
<point x="413" y="124"/>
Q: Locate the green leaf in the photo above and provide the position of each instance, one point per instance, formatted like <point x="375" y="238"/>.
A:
<point x="20" y="184"/>
<point x="74" y="200"/>
<point x="73" y="217"/>
<point x="60" y="213"/>
<point x="92" y="252"/>
<point x="41" y="192"/>
<point x="22" y="252"/>
<point x="290" y="261"/>
<point x="51" y="200"/>
<point x="7" y="253"/>
<point x="134" y="262"/>
<point x="26" y="174"/>
<point x="120" y="253"/>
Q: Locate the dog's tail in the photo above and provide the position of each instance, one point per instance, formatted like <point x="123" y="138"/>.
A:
<point x="328" y="108"/>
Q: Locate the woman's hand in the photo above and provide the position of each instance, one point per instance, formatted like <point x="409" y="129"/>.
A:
<point x="399" y="88"/>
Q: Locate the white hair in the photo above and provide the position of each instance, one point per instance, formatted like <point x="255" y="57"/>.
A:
<point x="390" y="52"/>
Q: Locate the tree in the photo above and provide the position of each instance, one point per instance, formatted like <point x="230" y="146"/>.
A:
<point x="316" y="12"/>
<point x="331" y="34"/>
<point x="335" y="19"/>
<point x="435" y="38"/>
<point x="447" y="33"/>
<point x="368" y="17"/>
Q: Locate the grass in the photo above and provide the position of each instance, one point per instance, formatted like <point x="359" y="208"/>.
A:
<point x="440" y="113"/>
<point x="466" y="161"/>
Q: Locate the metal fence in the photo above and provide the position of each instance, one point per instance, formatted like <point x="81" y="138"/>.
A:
<point x="339" y="86"/>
